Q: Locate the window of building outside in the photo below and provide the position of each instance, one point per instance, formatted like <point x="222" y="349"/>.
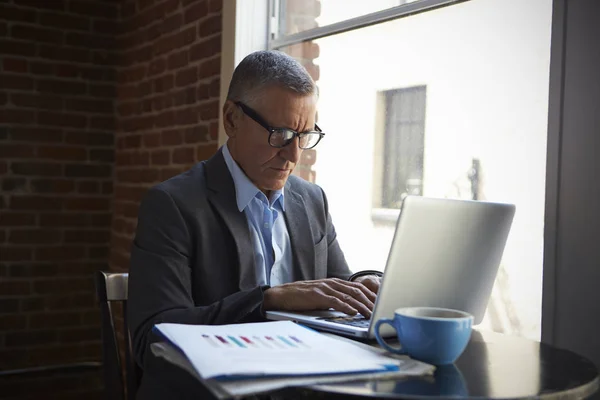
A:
<point x="451" y="102"/>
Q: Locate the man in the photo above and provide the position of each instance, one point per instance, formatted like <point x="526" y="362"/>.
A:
<point x="237" y="235"/>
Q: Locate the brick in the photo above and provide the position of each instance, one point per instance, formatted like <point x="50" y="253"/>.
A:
<point x="18" y="65"/>
<point x="209" y="111"/>
<point x="64" y="220"/>
<point x="91" y="106"/>
<point x="38" y="101"/>
<point x="35" y="203"/>
<point x="63" y="153"/>
<point x="61" y="285"/>
<point x="106" y="10"/>
<point x="168" y="173"/>
<point x="171" y="137"/>
<point x="64" y="21"/>
<point x="14" y="14"/>
<point x="106" y="27"/>
<point x="57" y="319"/>
<point x="15" y="253"/>
<point x="102" y="123"/>
<point x="172" y="23"/>
<point x="87" y="237"/>
<point x="68" y="71"/>
<point x="178" y="59"/>
<point x="186" y="76"/>
<point x="36" y="34"/>
<point x="195" y="12"/>
<point x="52" y="186"/>
<point x="88" y="187"/>
<point x="215" y="6"/>
<point x="137" y="176"/>
<point x="183" y="156"/>
<point x="61" y="87"/>
<point x="42" y="68"/>
<point x="35" y="270"/>
<point x="16" y="151"/>
<point x="161" y="157"/>
<point x="64" y="53"/>
<point x="209" y="26"/>
<point x="196" y="134"/>
<point x="87" y="204"/>
<point x="144" y="89"/>
<point x="3" y="101"/>
<point x="205" y="49"/>
<point x="103" y="90"/>
<point x="16" y="82"/>
<point x="107" y="74"/>
<point x="36" y="168"/>
<point x="107" y="187"/>
<point x="8" y="218"/>
<point x="30" y="338"/>
<point x="17" y="48"/>
<point x="204" y="152"/>
<point x="87" y="170"/>
<point x="40" y="135"/>
<point x="184" y="96"/>
<point x="129" y="142"/>
<point x="14" y="288"/>
<point x="90" y="138"/>
<point x="163" y="83"/>
<point x="9" y="306"/>
<point x="213" y="130"/>
<point x="44" y="4"/>
<point x="165" y="119"/>
<point x="102" y="155"/>
<point x="101" y="220"/>
<point x="186" y="116"/>
<point x="13" y="116"/>
<point x="59" y="253"/>
<point x="62" y="119"/>
<point x="103" y="57"/>
<point x="209" y="68"/>
<point x="34" y="236"/>
<point x="94" y="253"/>
<point x="80" y="39"/>
<point x="14" y="184"/>
<point x="157" y="66"/>
<point x="152" y="140"/>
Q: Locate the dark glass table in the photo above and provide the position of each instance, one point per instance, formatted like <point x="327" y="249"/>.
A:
<point x="494" y="366"/>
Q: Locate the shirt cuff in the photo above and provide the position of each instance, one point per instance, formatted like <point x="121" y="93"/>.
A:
<point x="363" y="273"/>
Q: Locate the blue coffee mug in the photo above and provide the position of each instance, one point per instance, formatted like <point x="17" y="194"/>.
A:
<point x="434" y="335"/>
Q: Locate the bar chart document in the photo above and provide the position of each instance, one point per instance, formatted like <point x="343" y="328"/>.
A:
<point x="277" y="349"/>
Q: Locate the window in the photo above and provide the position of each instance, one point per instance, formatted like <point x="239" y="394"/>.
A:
<point x="484" y="123"/>
<point x="403" y="143"/>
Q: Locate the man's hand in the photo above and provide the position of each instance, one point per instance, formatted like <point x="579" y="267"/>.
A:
<point x="372" y="282"/>
<point x="323" y="294"/>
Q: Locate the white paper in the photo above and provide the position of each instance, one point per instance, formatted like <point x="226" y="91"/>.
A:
<point x="280" y="348"/>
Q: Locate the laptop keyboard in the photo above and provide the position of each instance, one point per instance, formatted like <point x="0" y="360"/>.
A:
<point x="359" y="321"/>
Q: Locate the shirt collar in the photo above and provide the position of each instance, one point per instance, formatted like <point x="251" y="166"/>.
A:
<point x="245" y="190"/>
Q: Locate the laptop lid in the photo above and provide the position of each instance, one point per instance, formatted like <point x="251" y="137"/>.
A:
<point x="445" y="253"/>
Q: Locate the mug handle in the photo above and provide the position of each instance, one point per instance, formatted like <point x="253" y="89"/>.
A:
<point x="380" y="339"/>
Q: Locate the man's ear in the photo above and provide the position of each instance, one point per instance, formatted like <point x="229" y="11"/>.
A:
<point x="231" y="118"/>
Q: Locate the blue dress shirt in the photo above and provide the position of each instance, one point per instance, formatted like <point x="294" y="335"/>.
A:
<point x="270" y="237"/>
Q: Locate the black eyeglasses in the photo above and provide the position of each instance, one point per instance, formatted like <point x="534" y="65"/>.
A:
<point x="281" y="137"/>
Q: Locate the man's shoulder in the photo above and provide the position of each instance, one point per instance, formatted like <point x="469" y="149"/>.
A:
<point x="304" y="187"/>
<point x="185" y="184"/>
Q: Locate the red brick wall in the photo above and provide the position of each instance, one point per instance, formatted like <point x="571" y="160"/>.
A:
<point x="57" y="88"/>
<point x="167" y="101"/>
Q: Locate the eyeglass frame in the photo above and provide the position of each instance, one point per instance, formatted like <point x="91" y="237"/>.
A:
<point x="259" y="120"/>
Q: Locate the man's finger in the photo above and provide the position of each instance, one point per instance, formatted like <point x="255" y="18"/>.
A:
<point x="347" y="299"/>
<point x="356" y="291"/>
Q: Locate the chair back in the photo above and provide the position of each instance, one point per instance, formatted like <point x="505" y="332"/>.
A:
<point x="111" y="288"/>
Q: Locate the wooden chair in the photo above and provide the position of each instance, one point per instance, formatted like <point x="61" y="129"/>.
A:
<point x="112" y="288"/>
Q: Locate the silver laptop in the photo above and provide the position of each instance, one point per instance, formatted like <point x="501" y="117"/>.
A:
<point x="445" y="253"/>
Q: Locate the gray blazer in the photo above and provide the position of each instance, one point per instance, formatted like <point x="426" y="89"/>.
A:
<point x="192" y="242"/>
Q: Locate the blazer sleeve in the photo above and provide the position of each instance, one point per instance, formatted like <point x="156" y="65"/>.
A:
<point x="160" y="277"/>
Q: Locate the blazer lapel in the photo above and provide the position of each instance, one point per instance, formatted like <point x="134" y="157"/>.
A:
<point x="222" y="197"/>
<point x="300" y="234"/>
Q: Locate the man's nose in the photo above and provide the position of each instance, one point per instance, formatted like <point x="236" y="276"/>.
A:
<point x="292" y="151"/>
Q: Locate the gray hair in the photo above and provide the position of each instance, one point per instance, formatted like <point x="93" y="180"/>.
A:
<point x="261" y="69"/>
